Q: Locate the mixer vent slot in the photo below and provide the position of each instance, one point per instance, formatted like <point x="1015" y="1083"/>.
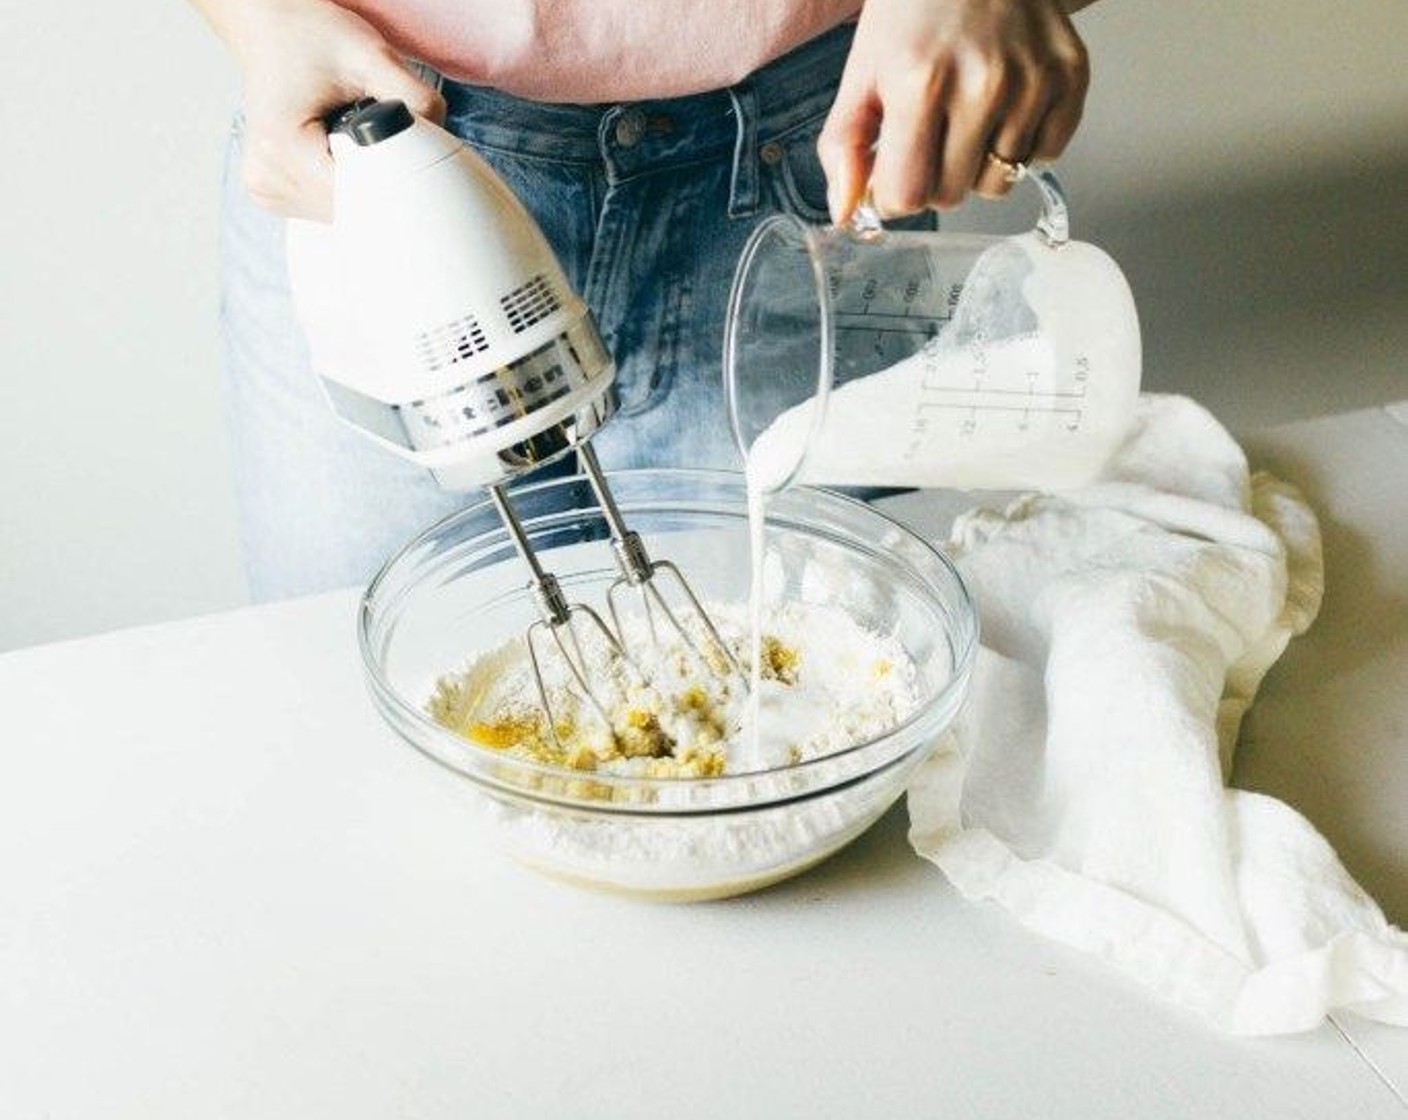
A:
<point x="454" y="342"/>
<point x="530" y="303"/>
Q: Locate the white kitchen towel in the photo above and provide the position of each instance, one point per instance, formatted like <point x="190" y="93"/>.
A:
<point x="1126" y="628"/>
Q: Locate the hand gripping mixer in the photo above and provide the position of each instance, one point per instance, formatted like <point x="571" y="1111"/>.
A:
<point x="443" y="328"/>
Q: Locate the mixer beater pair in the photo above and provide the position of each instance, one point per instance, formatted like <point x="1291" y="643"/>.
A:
<point x="668" y="605"/>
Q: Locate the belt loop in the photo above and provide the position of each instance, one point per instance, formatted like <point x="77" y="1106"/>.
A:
<point x="743" y="196"/>
<point x="426" y="73"/>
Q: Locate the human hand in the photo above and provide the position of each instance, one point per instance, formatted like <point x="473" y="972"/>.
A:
<point x="301" y="59"/>
<point x="933" y="90"/>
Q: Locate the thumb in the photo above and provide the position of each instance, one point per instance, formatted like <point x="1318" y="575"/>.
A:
<point x="846" y="146"/>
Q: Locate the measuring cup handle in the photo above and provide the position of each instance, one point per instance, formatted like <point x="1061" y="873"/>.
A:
<point x="1054" y="225"/>
<point x="865" y="218"/>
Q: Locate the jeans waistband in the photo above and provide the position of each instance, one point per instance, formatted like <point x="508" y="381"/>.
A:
<point x="636" y="137"/>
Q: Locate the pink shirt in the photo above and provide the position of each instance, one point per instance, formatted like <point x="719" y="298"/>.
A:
<point x="601" y="50"/>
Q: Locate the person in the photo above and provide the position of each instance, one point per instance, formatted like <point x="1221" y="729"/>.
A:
<point x="648" y="139"/>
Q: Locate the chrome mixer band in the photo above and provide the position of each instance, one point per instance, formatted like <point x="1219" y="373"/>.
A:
<point x="493" y="400"/>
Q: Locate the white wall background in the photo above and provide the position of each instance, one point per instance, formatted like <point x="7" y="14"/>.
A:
<point x="1246" y="162"/>
<point x="115" y="495"/>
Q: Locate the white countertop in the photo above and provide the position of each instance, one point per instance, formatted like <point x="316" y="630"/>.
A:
<point x="227" y="890"/>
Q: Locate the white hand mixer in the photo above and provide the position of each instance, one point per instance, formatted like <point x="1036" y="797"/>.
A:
<point x="442" y="327"/>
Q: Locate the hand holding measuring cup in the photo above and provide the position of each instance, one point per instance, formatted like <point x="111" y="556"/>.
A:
<point x="859" y="356"/>
<point x="943" y="96"/>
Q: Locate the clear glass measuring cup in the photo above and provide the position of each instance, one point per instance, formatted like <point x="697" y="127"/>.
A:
<point x="861" y="356"/>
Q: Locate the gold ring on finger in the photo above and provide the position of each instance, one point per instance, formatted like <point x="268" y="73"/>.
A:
<point x="1011" y="169"/>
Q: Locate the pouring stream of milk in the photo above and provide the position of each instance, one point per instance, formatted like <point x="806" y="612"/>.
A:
<point x="757" y="525"/>
<point x="768" y="464"/>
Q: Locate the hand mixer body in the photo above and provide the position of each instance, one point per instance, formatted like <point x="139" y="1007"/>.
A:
<point x="438" y="317"/>
<point x="443" y="328"/>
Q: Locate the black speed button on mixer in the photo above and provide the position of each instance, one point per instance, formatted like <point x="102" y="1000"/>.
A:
<point x="369" y="121"/>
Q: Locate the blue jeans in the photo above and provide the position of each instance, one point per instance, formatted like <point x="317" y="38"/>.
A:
<point x="647" y="204"/>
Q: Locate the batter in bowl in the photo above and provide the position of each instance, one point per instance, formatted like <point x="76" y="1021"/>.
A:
<point x="824" y="683"/>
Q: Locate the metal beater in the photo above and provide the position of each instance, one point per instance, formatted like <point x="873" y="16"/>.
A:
<point x="665" y="597"/>
<point x="443" y="328"/>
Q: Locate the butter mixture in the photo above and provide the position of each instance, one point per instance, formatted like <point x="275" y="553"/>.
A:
<point x="824" y="684"/>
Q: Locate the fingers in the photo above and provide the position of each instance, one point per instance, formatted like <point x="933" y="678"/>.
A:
<point x="846" y="144"/>
<point x="316" y="59"/>
<point x="1014" y="139"/>
<point x="1063" y="117"/>
<point x="972" y="119"/>
<point x="287" y="168"/>
<point x="1042" y="110"/>
<point x="943" y="97"/>
<point x="906" y="174"/>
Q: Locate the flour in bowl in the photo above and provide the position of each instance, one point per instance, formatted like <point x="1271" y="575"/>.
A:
<point x="824" y="683"/>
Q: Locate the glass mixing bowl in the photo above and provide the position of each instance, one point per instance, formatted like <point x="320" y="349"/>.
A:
<point x="459" y="589"/>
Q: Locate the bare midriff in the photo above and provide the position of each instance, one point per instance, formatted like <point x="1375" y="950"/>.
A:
<point x="588" y="51"/>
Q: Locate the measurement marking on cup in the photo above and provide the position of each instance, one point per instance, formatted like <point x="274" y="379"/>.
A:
<point x="969" y="413"/>
<point x="888" y="323"/>
<point x="1026" y="394"/>
<point x="968" y="406"/>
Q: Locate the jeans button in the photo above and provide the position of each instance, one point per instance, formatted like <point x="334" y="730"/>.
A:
<point x="771" y="153"/>
<point x="630" y="127"/>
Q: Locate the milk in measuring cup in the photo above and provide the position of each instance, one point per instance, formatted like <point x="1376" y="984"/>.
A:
<point x="1032" y="383"/>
